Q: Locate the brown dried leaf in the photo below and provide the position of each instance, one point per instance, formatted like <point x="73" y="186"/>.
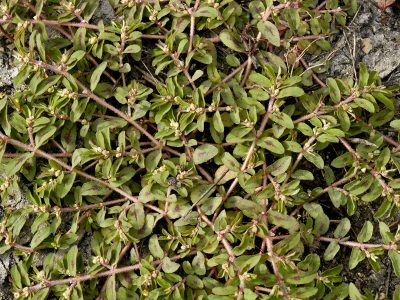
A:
<point x="384" y="4"/>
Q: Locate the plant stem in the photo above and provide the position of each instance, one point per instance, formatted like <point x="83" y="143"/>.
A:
<point x="306" y="146"/>
<point x="345" y="242"/>
<point x="192" y="24"/>
<point x="324" y="191"/>
<point x="253" y="146"/>
<point x="178" y="63"/>
<point x="78" y="25"/>
<point x="49" y="157"/>
<point x="221" y="237"/>
<point x="86" y="277"/>
<point x="100" y="101"/>
<point x="361" y="246"/>
<point x="247" y="72"/>
<point x="87" y="207"/>
<point x="315" y="77"/>
<point x="326" y="111"/>
<point x="275" y="269"/>
<point x="62" y="155"/>
<point x="121" y="255"/>
<point x="67" y="35"/>
<point x="373" y="172"/>
<point x="227" y="78"/>
<point x="6" y="34"/>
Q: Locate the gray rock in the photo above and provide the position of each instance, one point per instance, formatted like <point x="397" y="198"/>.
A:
<point x="7" y="70"/>
<point x="373" y="38"/>
<point x="104" y="12"/>
<point x="5" y="265"/>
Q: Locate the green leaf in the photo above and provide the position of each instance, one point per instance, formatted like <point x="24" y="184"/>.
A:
<point x="315" y="159"/>
<point x="249" y="208"/>
<point x="385" y="233"/>
<point x="197" y="75"/>
<point x="331" y="251"/>
<point x="95" y="78"/>
<point x="40" y="219"/>
<point x="4" y="249"/>
<point x="305" y="129"/>
<point x="260" y="80"/>
<point x="201" y="192"/>
<point x="321" y="225"/>
<point x="363" y="75"/>
<point x="40" y="236"/>
<point x="358" y="187"/>
<point x="366" y="232"/>
<point x="343" y="228"/>
<point x="230" y="162"/>
<point x="75" y="57"/>
<point x="68" y="136"/>
<point x="381" y="118"/>
<point x="356" y="257"/>
<point x="395" y="183"/>
<point x="342" y="160"/>
<point x="194" y="282"/>
<point x="232" y="60"/>
<point x="249" y="294"/>
<point x="284" y="221"/>
<point x="305" y="292"/>
<point x="395" y="259"/>
<point x="271" y="144"/>
<point x="141" y="109"/>
<point x="132" y="49"/>
<point x="224" y="290"/>
<point x="303" y="175"/>
<point x="300" y="278"/>
<point x="217" y="122"/>
<point x="290" y="92"/>
<point x="344" y="119"/>
<point x="280" y="166"/>
<point x="270" y="32"/>
<point x="210" y="205"/>
<point x="72" y="257"/>
<point x="354" y="293"/>
<point x="16" y="277"/>
<point x="246" y="263"/>
<point x="395" y="124"/>
<point x="63" y="189"/>
<point x="93" y="188"/>
<point x="396" y="294"/>
<point x="14" y="165"/>
<point x="334" y="91"/>
<point x="365" y="104"/>
<point x="199" y="264"/>
<point x="136" y="216"/>
<point x="111" y="288"/>
<point x="231" y="40"/>
<point x="152" y="160"/>
<point x="383" y="208"/>
<point x="282" y="119"/>
<point x="168" y="266"/>
<point x="204" y="153"/>
<point x="223" y="175"/>
<point x="44" y="135"/>
<point x="206" y="11"/>
<point x="79" y="39"/>
<point x="387" y="102"/>
<point x="155" y="248"/>
<point x="5" y="124"/>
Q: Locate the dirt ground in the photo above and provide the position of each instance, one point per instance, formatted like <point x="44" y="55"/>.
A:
<point x="373" y="37"/>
